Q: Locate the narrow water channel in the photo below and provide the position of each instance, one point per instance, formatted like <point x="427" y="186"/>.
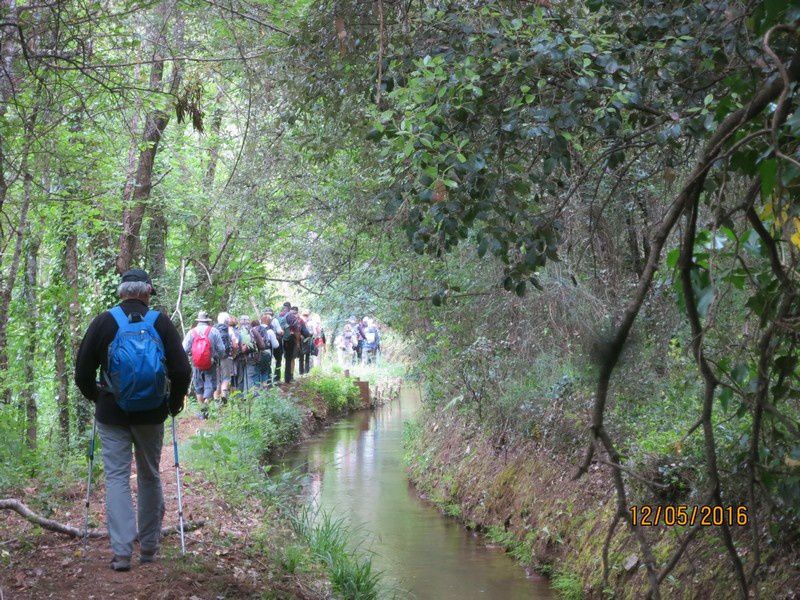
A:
<point x="355" y="470"/>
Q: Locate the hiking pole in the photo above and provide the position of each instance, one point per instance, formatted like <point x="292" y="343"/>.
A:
<point x="89" y="483"/>
<point x="178" y="477"/>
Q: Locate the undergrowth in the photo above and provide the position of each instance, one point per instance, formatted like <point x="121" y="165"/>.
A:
<point x="251" y="427"/>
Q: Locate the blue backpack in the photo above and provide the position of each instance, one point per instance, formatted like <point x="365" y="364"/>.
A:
<point x="137" y="372"/>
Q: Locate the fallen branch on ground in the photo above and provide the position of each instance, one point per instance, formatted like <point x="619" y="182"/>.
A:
<point x="33" y="517"/>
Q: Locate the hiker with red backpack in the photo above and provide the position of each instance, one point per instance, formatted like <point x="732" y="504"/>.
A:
<point x="204" y="345"/>
<point x="144" y="376"/>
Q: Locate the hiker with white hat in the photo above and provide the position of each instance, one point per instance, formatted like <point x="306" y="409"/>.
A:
<point x="205" y="347"/>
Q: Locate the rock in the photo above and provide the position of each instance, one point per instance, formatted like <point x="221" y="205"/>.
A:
<point x="630" y="563"/>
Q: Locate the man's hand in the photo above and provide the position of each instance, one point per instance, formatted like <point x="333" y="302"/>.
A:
<point x="174" y="409"/>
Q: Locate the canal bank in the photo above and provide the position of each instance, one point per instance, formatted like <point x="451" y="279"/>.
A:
<point x="521" y="495"/>
<point x="355" y="471"/>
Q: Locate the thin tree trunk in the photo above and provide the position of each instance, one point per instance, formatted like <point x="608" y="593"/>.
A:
<point x="62" y="375"/>
<point x="29" y="293"/>
<point x="8" y="49"/>
<point x="8" y="289"/>
<point x="51" y="525"/>
<point x="69" y="332"/>
<point x="633" y="244"/>
<point x="203" y="226"/>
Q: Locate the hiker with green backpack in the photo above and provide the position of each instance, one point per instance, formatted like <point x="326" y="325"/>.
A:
<point x="290" y="323"/>
<point x="144" y="376"/>
<point x="246" y="350"/>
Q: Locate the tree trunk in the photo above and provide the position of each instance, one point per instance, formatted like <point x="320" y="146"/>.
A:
<point x="51" y="525"/>
<point x="71" y="311"/>
<point x="8" y="49"/>
<point x="157" y="244"/>
<point x="633" y="244"/>
<point x="32" y="318"/>
<point x="155" y="123"/>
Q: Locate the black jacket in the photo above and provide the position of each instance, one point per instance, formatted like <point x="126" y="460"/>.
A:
<point x="93" y="353"/>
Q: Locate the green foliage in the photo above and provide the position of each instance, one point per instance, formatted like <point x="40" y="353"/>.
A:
<point x="15" y="457"/>
<point x="293" y="558"/>
<point x="338" y="392"/>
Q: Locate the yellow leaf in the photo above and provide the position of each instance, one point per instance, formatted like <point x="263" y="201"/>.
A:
<point x="796" y="237"/>
<point x="791" y="462"/>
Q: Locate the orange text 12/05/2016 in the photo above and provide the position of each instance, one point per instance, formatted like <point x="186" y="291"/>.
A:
<point x="648" y="515"/>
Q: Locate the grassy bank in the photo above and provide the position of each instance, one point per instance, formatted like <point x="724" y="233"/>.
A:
<point x="522" y="497"/>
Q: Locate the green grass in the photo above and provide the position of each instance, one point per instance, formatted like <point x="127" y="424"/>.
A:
<point x="568" y="586"/>
<point x="294" y="557"/>
<point x="351" y="572"/>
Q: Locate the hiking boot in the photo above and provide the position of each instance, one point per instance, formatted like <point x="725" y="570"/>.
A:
<point x="121" y="563"/>
<point x="148" y="556"/>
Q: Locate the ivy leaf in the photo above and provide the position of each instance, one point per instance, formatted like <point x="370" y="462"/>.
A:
<point x="768" y="170"/>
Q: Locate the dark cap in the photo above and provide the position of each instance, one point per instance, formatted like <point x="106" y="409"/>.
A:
<point x="138" y="275"/>
<point x="287" y="304"/>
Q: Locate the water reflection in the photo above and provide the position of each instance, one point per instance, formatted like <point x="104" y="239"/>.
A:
<point x="355" y="470"/>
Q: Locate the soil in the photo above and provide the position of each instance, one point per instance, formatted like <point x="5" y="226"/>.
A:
<point x="219" y="564"/>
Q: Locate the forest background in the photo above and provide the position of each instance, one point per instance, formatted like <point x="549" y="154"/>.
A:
<point x="583" y="215"/>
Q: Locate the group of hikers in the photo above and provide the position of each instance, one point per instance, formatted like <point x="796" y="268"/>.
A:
<point x="359" y="342"/>
<point x="247" y="354"/>
<point x="144" y="377"/>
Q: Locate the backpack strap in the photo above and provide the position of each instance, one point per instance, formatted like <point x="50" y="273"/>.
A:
<point x="119" y="316"/>
<point x="151" y="317"/>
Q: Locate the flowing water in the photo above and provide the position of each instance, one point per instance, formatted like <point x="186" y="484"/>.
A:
<point x="355" y="470"/>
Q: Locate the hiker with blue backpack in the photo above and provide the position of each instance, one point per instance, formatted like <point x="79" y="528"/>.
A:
<point x="372" y="341"/>
<point x="144" y="376"/>
<point x="205" y="346"/>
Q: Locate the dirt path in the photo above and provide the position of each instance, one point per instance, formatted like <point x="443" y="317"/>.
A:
<point x="219" y="562"/>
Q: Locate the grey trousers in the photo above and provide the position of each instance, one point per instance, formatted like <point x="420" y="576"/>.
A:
<point x="146" y="441"/>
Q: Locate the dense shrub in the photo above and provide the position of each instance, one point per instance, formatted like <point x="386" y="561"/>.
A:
<point x="338" y="392"/>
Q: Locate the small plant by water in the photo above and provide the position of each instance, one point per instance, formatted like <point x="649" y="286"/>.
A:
<point x="330" y="539"/>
